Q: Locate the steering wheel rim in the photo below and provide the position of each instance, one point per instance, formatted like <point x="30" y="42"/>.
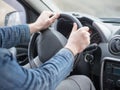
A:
<point x="32" y="42"/>
<point x="72" y="18"/>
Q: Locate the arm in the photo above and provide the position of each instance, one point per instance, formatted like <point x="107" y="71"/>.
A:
<point x="15" y="35"/>
<point x="50" y="74"/>
<point x="12" y="36"/>
<point x="46" y="77"/>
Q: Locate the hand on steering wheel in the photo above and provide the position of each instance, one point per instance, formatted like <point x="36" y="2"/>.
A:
<point x="48" y="43"/>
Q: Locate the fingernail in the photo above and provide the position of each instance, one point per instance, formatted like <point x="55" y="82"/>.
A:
<point x="74" y="23"/>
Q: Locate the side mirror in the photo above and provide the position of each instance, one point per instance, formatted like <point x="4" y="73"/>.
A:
<point x="14" y="18"/>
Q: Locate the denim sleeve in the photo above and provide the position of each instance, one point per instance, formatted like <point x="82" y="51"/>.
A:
<point x="14" y="35"/>
<point x="46" y="77"/>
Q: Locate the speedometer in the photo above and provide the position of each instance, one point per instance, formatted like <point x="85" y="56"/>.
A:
<point x="95" y="38"/>
<point x="94" y="34"/>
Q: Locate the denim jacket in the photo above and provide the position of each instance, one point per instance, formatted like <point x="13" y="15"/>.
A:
<point x="15" y="77"/>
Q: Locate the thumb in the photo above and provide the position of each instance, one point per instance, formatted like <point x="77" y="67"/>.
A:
<point x="74" y="27"/>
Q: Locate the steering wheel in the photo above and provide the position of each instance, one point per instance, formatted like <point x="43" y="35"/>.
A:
<point x="47" y="43"/>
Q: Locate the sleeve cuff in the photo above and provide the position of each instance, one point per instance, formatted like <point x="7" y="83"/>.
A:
<point x="68" y="53"/>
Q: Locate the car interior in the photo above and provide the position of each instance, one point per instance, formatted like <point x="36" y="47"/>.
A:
<point x="100" y="61"/>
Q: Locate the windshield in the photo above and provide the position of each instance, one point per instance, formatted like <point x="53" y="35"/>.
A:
<point x="99" y="8"/>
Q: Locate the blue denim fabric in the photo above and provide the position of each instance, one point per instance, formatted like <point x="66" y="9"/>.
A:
<point x="15" y="77"/>
<point x="12" y="36"/>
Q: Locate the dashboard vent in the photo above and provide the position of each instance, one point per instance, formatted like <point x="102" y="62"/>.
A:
<point x="114" y="45"/>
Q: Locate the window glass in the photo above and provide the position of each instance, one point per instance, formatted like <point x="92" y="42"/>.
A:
<point x="99" y="8"/>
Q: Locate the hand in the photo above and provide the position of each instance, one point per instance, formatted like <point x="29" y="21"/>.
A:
<point x="44" y="21"/>
<point x="78" y="40"/>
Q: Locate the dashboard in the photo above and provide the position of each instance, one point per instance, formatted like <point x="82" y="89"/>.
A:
<point x="94" y="34"/>
<point x="107" y="38"/>
<point x="65" y="26"/>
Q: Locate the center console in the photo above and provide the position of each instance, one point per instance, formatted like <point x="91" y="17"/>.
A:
<point x="110" y="74"/>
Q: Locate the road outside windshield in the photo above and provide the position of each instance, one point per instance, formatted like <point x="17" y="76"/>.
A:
<point x="99" y="8"/>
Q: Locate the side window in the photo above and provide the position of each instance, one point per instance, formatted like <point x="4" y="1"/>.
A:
<point x="4" y="10"/>
<point x="12" y="13"/>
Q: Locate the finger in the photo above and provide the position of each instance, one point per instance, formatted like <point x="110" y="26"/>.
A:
<point x="57" y="15"/>
<point x="54" y="17"/>
<point x="49" y="14"/>
<point x="74" y="27"/>
<point x="87" y="35"/>
<point x="84" y="28"/>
